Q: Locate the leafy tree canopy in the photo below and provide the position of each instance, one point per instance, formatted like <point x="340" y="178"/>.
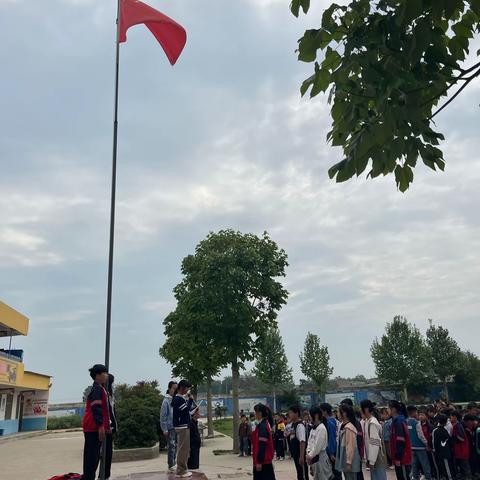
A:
<point x="315" y="361"/>
<point x="444" y="352"/>
<point x="401" y="355"/>
<point x="271" y="364"/>
<point x="387" y="65"/>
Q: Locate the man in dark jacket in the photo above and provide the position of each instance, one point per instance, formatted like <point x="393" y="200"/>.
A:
<point x="96" y="421"/>
<point x="442" y="449"/>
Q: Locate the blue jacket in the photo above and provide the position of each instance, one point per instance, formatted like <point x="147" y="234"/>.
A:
<point x="332" y="436"/>
<point x="419" y="442"/>
<point x="166" y="414"/>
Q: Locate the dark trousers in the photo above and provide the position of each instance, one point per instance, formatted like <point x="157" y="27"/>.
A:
<point x="194" y="458"/>
<point x="91" y="455"/>
<point x="302" y="471"/>
<point x="445" y="468"/>
<point x="336" y="474"/>
<point x="108" y="455"/>
<point x="403" y="472"/>
<point x="462" y="468"/>
<point x="280" y="447"/>
<point x="266" y="473"/>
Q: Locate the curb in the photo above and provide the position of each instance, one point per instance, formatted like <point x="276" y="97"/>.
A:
<point x="22" y="436"/>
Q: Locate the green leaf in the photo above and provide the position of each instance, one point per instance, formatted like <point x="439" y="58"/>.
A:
<point x="321" y="83"/>
<point x="308" y="45"/>
<point x="296" y="4"/>
<point x="332" y="59"/>
<point x="421" y="40"/>
<point x="332" y="171"/>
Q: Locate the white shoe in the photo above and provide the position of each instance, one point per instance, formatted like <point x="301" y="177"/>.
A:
<point x="173" y="469"/>
<point x="184" y="475"/>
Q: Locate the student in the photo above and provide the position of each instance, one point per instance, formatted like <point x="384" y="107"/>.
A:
<point x="387" y="433"/>
<point x="113" y="426"/>
<point x="96" y="421"/>
<point x="374" y="446"/>
<point x="461" y="447"/>
<point x="262" y="444"/>
<point x="298" y="440"/>
<point x="427" y="430"/>
<point x="442" y="449"/>
<point x="166" y="424"/>
<point x="244" y="434"/>
<point x="360" y="440"/>
<point x="279" y="437"/>
<point x="317" y="444"/>
<point x="469" y="423"/>
<point x="400" y="445"/>
<point x="195" y="443"/>
<point x="348" y="458"/>
<point x="332" y="429"/>
<point x="419" y="445"/>
<point x="183" y="410"/>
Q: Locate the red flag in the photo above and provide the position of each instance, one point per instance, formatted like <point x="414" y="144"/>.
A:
<point x="171" y="36"/>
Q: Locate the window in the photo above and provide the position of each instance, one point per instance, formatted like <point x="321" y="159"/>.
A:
<point x="8" y="409"/>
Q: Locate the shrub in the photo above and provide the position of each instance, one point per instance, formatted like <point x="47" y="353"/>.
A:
<point x="64" y="423"/>
<point x="137" y="409"/>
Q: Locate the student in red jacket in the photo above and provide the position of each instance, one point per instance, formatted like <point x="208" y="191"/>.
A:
<point x="461" y="447"/>
<point x="262" y="444"/>
<point x="96" y="421"/>
<point x="400" y="445"/>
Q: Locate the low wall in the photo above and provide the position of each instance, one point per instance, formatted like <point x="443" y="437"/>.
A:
<point x="9" y="426"/>
<point x="132" y="454"/>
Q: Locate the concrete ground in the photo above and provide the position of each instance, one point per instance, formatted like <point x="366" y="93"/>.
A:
<point x="41" y="457"/>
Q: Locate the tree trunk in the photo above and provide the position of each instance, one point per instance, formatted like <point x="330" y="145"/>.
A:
<point x="445" y="389"/>
<point x="236" y="405"/>
<point x="274" y="401"/>
<point x="209" y="407"/>
<point x="405" y="394"/>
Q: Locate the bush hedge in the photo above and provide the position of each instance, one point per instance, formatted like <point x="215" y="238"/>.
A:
<point x="64" y="423"/>
<point x="137" y="408"/>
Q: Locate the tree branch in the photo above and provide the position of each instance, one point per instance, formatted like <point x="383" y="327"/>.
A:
<point x="460" y="90"/>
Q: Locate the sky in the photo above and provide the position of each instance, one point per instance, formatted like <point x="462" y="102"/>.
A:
<point x="221" y="140"/>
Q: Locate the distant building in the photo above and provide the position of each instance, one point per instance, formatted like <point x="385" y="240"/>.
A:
<point x="23" y="394"/>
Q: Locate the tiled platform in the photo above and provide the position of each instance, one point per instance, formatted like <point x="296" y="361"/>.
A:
<point x="160" y="476"/>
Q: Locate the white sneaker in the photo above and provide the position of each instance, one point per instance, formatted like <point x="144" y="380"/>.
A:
<point x="173" y="469"/>
<point x="184" y="475"/>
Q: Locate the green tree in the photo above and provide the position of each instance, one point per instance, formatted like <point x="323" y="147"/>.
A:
<point x="271" y="365"/>
<point x="401" y="356"/>
<point x="467" y="379"/>
<point x="190" y="349"/>
<point x="315" y="361"/>
<point x="137" y="408"/>
<point x="232" y="282"/>
<point x="387" y="65"/>
<point x="444" y="353"/>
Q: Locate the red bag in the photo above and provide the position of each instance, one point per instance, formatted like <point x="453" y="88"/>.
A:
<point x="67" y="476"/>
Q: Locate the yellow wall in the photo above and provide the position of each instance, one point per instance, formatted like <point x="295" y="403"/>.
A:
<point x="13" y="320"/>
<point x="13" y="374"/>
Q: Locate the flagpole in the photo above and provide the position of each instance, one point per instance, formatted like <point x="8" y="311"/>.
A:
<point x="108" y="322"/>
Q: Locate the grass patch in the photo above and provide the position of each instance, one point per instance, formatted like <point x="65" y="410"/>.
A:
<point x="224" y="425"/>
<point x="64" y="423"/>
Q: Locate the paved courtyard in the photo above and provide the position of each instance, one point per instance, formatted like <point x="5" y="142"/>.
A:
<point x="41" y="457"/>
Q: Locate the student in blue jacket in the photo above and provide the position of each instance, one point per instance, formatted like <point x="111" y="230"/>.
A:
<point x="166" y="424"/>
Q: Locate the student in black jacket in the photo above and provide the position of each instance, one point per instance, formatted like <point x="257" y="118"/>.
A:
<point x="195" y="443"/>
<point x="443" y="449"/>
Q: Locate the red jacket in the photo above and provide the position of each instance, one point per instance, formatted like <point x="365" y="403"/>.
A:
<point x="96" y="411"/>
<point x="262" y="444"/>
<point x="461" y="446"/>
<point x="400" y="444"/>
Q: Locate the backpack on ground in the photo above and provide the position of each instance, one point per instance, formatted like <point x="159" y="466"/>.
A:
<point x="67" y="476"/>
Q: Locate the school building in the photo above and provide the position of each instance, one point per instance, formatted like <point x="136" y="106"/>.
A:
<point x="23" y="394"/>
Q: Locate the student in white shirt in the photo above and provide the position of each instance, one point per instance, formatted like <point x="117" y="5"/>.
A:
<point x="374" y="448"/>
<point x="317" y="447"/>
